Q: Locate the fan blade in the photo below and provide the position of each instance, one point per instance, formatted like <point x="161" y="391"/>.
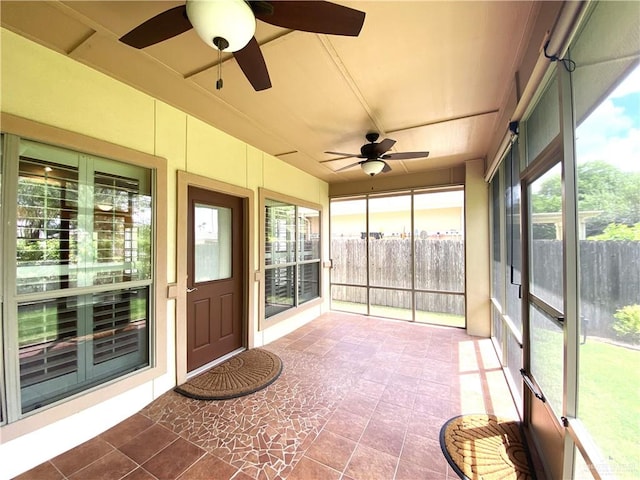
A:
<point x="314" y="16"/>
<point x="340" y="158"/>
<point x="386" y="168"/>
<point x="348" y="167"/>
<point x="405" y="155"/>
<point x="380" y="148"/>
<point x="344" y="154"/>
<point x="163" y="26"/>
<point x="252" y="64"/>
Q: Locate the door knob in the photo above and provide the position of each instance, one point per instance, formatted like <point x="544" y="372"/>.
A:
<point x="189" y="290"/>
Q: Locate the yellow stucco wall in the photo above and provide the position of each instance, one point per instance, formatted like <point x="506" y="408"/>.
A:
<point x="41" y="85"/>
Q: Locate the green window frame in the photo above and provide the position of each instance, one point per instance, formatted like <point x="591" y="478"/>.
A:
<point x="79" y="279"/>
<point x="292" y="242"/>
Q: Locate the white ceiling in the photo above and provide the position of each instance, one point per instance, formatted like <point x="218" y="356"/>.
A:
<point x="434" y="76"/>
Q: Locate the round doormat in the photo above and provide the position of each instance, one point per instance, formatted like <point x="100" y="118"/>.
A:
<point x="486" y="447"/>
<point x="246" y="373"/>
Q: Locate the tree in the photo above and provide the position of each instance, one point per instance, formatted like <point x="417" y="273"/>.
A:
<point x="602" y="187"/>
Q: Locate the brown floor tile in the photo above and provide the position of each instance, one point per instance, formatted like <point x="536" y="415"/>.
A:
<point x="113" y="466"/>
<point x="332" y="450"/>
<point x="411" y="471"/>
<point x="423" y="451"/>
<point x="139" y="474"/>
<point x="144" y="446"/>
<point x="347" y="424"/>
<point x="126" y="430"/>
<point x="81" y="456"/>
<point x="308" y="469"/>
<point x="44" y="471"/>
<point x="384" y="436"/>
<point x="209" y="467"/>
<point x="368" y="463"/>
<point x="171" y="462"/>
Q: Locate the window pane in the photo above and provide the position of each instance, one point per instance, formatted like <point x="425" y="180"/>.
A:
<point x="47" y="226"/>
<point x="497" y="273"/>
<point x="547" y="354"/>
<point x="308" y="281"/>
<point x="514" y="364"/>
<point x="607" y="109"/>
<point x="349" y="299"/>
<point x="71" y="343"/>
<point x="546" y="257"/>
<point x="513" y="279"/>
<point x="279" y="290"/>
<point x="440" y="309"/>
<point x="497" y="330"/>
<point x="213" y="247"/>
<point x="391" y="303"/>
<point x="348" y="241"/>
<point x="280" y="231"/>
<point x="121" y="228"/>
<point x="439" y="242"/>
<point x="390" y="241"/>
<point x="308" y="234"/>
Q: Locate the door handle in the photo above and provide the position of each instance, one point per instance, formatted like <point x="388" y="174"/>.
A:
<point x="189" y="290"/>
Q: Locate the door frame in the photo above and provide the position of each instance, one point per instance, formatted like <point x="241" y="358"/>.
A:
<point x="184" y="181"/>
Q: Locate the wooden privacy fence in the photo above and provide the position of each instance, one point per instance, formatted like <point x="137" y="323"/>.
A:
<point x="439" y="267"/>
<point x="609" y="275"/>
<point x="609" y="279"/>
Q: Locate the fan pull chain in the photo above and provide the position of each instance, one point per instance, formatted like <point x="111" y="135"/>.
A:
<point x="219" y="81"/>
<point x="221" y="44"/>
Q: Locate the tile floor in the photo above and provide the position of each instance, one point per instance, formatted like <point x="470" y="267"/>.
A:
<point x="359" y="398"/>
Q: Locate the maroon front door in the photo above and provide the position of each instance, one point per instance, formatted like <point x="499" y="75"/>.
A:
<point x="215" y="276"/>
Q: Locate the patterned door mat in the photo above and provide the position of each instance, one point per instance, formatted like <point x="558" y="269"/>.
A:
<point x="246" y="373"/>
<point x="486" y="447"/>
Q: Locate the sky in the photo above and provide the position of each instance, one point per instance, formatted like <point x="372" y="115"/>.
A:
<point x="612" y="131"/>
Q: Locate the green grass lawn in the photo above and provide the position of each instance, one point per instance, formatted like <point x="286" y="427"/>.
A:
<point x="610" y="403"/>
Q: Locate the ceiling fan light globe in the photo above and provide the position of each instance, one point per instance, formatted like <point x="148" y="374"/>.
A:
<point x="372" y="167"/>
<point x="231" y="20"/>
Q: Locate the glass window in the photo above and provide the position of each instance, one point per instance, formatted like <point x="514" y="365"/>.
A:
<point x="213" y="249"/>
<point x="513" y="281"/>
<point x="606" y="87"/>
<point x="497" y="274"/>
<point x="83" y="249"/>
<point x="292" y="255"/>
<point x="546" y="257"/>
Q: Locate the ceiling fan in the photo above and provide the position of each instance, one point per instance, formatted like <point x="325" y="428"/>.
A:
<point x="229" y="26"/>
<point x="374" y="155"/>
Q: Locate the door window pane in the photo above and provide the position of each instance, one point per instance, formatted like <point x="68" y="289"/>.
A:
<point x="213" y="246"/>
<point x="606" y="88"/>
<point x="547" y="356"/>
<point x="545" y="238"/>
